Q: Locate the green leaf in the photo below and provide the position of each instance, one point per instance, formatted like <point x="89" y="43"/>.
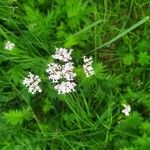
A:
<point x="99" y="69"/>
<point x="4" y="98"/>
<point x="143" y="45"/>
<point x="16" y="74"/>
<point x="143" y="58"/>
<point x="143" y="142"/>
<point x="15" y="117"/>
<point x="76" y="12"/>
<point x="71" y="40"/>
<point x="128" y="59"/>
<point x="47" y="106"/>
<point x="145" y="127"/>
<point x="130" y="125"/>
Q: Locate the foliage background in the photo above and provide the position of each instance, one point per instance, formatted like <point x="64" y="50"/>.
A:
<point x="91" y="117"/>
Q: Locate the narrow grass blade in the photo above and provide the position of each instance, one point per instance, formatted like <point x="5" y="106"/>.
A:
<point x="122" y="33"/>
<point x="88" y="27"/>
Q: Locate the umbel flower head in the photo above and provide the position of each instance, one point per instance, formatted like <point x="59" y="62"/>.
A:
<point x="31" y="82"/>
<point x="9" y="46"/>
<point x="62" y="75"/>
<point x="67" y="71"/>
<point x="65" y="87"/>
<point x="126" y="110"/>
<point x="88" y="69"/>
<point x="58" y="72"/>
<point x="55" y="72"/>
<point x="63" y="54"/>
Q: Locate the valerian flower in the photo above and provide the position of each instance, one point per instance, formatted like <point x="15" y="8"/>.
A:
<point x="9" y="46"/>
<point x="126" y="110"/>
<point x="62" y="75"/>
<point x="32" y="83"/>
<point x="88" y="69"/>
<point x="62" y="54"/>
<point x="54" y="71"/>
<point x="67" y="71"/>
<point x="65" y="87"/>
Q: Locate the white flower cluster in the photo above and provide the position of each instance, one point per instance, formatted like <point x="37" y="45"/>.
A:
<point x="126" y="110"/>
<point x="54" y="71"/>
<point x="62" y="74"/>
<point x="32" y="81"/>
<point x="65" y="87"/>
<point x="62" y="54"/>
<point x="88" y="69"/>
<point x="9" y="46"/>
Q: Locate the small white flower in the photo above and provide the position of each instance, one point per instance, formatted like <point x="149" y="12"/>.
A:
<point x="61" y="72"/>
<point x="62" y="75"/>
<point x="32" y="81"/>
<point x="88" y="69"/>
<point x="67" y="71"/>
<point x="126" y="110"/>
<point x="62" y="54"/>
<point x="65" y="87"/>
<point x="9" y="46"/>
<point x="54" y="71"/>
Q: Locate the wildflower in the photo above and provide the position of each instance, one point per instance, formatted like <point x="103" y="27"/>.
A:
<point x="67" y="71"/>
<point x="64" y="72"/>
<point x="62" y="54"/>
<point x="54" y="71"/>
<point x="65" y="87"/>
<point x="88" y="69"/>
<point x="9" y="46"/>
<point x="32" y="81"/>
<point x="62" y="75"/>
<point x="126" y="110"/>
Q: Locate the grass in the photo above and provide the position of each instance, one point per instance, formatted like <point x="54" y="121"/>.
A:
<point x="116" y="35"/>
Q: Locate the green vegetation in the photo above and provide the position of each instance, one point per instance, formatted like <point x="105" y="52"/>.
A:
<point x="116" y="34"/>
